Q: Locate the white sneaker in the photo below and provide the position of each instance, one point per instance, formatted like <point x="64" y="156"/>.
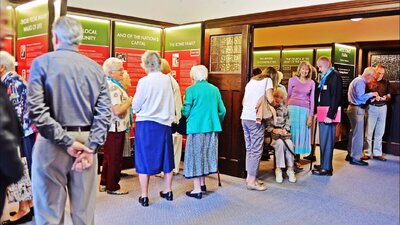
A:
<point x="278" y="175"/>
<point x="291" y="175"/>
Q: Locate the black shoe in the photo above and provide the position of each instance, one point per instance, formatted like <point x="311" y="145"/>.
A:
<point x="169" y="196"/>
<point x="194" y="195"/>
<point x="380" y="158"/>
<point x="348" y="158"/>
<point x="203" y="188"/>
<point x="297" y="169"/>
<point x="24" y="219"/>
<point x="358" y="162"/>
<point x="322" y="172"/>
<point x="144" y="201"/>
<point x="311" y="158"/>
<point x="317" y="167"/>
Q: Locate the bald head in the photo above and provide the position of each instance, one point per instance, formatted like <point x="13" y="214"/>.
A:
<point x="369" y="74"/>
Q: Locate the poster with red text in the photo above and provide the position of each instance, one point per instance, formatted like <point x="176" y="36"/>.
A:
<point x="32" y="34"/>
<point x="130" y="42"/>
<point x="96" y="38"/>
<point x="183" y="51"/>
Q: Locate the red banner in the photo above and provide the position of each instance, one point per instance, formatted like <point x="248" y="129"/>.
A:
<point x="132" y="59"/>
<point x="181" y="62"/>
<point x="27" y="50"/>
<point x="97" y="53"/>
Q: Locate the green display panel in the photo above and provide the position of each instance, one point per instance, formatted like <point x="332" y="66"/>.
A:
<point x="263" y="59"/>
<point x="344" y="54"/>
<point x="137" y="37"/>
<point x="95" y="31"/>
<point x="327" y="52"/>
<point x="183" y="37"/>
<point x="32" y="19"/>
<point x="291" y="60"/>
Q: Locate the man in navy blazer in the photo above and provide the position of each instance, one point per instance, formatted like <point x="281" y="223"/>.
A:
<point x="329" y="94"/>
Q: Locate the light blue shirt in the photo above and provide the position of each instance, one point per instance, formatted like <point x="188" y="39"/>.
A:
<point x="356" y="94"/>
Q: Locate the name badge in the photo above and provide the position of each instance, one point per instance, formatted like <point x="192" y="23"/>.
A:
<point x="325" y="87"/>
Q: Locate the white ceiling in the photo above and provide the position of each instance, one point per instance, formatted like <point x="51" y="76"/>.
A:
<point x="186" y="11"/>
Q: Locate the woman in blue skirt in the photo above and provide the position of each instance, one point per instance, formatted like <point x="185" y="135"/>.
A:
<point x="205" y="111"/>
<point x="154" y="107"/>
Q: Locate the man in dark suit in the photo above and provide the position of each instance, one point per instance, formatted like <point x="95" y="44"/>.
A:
<point x="329" y="94"/>
<point x="11" y="169"/>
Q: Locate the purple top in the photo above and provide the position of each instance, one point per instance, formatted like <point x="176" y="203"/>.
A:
<point x="301" y="94"/>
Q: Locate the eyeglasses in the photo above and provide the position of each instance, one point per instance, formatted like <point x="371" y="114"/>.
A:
<point x="119" y="70"/>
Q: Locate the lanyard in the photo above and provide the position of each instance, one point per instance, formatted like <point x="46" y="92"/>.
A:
<point x="116" y="82"/>
<point x="321" y="84"/>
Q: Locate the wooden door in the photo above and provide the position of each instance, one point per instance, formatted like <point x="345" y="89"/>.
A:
<point x="226" y="55"/>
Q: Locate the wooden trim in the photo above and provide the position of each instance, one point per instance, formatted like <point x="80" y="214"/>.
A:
<point x="316" y="13"/>
<point x="113" y="16"/>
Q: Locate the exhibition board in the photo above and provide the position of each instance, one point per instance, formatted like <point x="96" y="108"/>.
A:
<point x="130" y="42"/>
<point x="183" y="51"/>
<point x="96" y="38"/>
<point x="32" y="34"/>
<point x="344" y="63"/>
<point x="263" y="59"/>
<point x="291" y="60"/>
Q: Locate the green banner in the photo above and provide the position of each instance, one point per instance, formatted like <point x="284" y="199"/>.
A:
<point x="323" y="52"/>
<point x="183" y="37"/>
<point x="263" y="59"/>
<point x="32" y="19"/>
<point x="344" y="54"/>
<point x="95" y="31"/>
<point x="294" y="57"/>
<point x="137" y="37"/>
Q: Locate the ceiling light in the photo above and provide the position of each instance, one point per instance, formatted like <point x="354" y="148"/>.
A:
<point x="356" y="19"/>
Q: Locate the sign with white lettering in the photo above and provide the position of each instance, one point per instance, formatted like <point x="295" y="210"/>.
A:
<point x="183" y="51"/>
<point x="32" y="34"/>
<point x="96" y="38"/>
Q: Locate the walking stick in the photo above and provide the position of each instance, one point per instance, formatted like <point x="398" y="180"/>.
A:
<point x="219" y="180"/>
<point x="313" y="144"/>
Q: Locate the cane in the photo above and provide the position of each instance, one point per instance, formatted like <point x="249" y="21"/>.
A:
<point x="313" y="144"/>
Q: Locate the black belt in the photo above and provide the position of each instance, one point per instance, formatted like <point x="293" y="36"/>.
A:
<point x="363" y="106"/>
<point x="76" y="128"/>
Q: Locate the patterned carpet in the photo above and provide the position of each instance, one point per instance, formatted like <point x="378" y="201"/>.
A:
<point x="353" y="195"/>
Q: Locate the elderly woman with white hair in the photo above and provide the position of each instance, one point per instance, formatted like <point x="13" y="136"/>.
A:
<point x="153" y="105"/>
<point x="204" y="109"/>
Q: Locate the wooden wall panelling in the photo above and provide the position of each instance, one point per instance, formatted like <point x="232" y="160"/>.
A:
<point x="231" y="86"/>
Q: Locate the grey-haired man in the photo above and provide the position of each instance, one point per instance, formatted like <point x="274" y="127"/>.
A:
<point x="69" y="102"/>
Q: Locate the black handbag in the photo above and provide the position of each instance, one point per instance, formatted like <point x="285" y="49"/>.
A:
<point x="179" y="127"/>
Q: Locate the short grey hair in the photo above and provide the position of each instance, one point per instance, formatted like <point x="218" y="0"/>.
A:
<point x="68" y="30"/>
<point x="7" y="60"/>
<point x="111" y="64"/>
<point x="151" y="61"/>
<point x="199" y="72"/>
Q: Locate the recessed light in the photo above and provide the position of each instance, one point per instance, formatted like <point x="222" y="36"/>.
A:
<point x="356" y="19"/>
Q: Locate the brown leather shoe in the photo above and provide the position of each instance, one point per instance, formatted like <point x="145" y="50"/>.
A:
<point x="365" y="157"/>
<point x="380" y="158"/>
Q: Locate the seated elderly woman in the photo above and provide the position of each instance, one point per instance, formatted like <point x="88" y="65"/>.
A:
<point x="280" y="128"/>
<point x="205" y="111"/>
<point x="153" y="105"/>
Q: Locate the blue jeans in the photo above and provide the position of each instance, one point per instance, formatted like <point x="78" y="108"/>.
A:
<point x="376" y="122"/>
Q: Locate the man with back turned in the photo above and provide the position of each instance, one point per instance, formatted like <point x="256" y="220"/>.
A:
<point x="69" y="102"/>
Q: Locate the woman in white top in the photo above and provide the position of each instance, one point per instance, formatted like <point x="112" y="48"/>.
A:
<point x="154" y="107"/>
<point x="259" y="85"/>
